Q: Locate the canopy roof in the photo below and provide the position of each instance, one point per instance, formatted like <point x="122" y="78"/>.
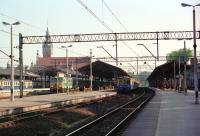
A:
<point x="166" y="71"/>
<point x="103" y="70"/>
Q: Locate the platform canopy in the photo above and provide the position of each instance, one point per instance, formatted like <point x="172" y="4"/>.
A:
<point x="166" y="71"/>
<point x="103" y="70"/>
<point x="5" y="73"/>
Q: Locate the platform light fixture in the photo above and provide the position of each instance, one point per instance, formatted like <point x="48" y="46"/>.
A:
<point x="195" y="46"/>
<point x="11" y="57"/>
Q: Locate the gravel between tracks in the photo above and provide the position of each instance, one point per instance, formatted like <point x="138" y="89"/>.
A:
<point x="64" y="121"/>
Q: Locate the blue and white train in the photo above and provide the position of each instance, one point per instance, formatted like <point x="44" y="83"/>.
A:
<point x="126" y="84"/>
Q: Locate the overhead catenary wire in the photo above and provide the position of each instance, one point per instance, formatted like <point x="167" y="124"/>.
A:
<point x="8" y="32"/>
<point x="94" y="15"/>
<point x="113" y="14"/>
<point x="109" y="9"/>
<point x="102" y="22"/>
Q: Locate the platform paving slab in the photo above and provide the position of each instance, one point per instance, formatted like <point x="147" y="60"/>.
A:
<point x="45" y="101"/>
<point x="167" y="114"/>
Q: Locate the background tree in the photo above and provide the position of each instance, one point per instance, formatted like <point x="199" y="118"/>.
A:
<point x="142" y="77"/>
<point x="183" y="53"/>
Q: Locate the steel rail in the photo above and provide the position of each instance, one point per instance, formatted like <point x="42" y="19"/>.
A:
<point x="119" y="125"/>
<point x="11" y="119"/>
<point x="86" y="126"/>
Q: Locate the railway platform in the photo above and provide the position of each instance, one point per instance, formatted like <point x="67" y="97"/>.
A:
<point x="38" y="102"/>
<point x="26" y="92"/>
<point x="167" y="114"/>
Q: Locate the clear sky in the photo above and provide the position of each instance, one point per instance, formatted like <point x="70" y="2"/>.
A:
<point x="69" y="17"/>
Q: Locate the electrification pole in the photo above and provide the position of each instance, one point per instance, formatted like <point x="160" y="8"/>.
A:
<point x="195" y="55"/>
<point x="21" y="82"/>
<point x="91" y="77"/>
<point x="116" y="50"/>
<point x="184" y="78"/>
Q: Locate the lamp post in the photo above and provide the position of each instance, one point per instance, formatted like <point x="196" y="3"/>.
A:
<point x="11" y="58"/>
<point x="91" y="77"/>
<point x="66" y="47"/>
<point x="195" y="56"/>
<point x="184" y="73"/>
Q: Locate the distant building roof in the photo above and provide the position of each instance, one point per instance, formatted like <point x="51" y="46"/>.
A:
<point x="7" y="72"/>
<point x="73" y="62"/>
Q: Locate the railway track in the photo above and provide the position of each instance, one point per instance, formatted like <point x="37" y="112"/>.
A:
<point x="110" y="123"/>
<point x="10" y="120"/>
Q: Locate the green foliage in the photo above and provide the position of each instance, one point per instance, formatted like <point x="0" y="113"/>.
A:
<point x="183" y="53"/>
<point x="142" y="78"/>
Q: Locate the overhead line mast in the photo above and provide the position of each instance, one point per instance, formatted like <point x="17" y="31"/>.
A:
<point x="99" y="37"/>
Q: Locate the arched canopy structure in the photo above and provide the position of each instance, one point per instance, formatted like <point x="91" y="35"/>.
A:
<point x="103" y="70"/>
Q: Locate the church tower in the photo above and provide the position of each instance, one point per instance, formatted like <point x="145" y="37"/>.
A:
<point x="47" y="47"/>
